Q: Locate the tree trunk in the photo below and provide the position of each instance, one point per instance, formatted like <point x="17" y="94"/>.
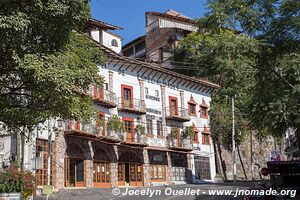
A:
<point x="223" y="165"/>
<point x="242" y="164"/>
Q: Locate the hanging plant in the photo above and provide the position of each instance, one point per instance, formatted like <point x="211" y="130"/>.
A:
<point x="140" y="129"/>
<point x="189" y="132"/>
<point x="174" y="132"/>
<point x="115" y="124"/>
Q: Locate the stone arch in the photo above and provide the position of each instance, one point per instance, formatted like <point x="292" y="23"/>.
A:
<point x="100" y="154"/>
<point x="129" y="156"/>
<point x="74" y="150"/>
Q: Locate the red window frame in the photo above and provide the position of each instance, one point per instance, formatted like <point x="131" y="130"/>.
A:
<point x="203" y="136"/>
<point x="123" y="86"/>
<point x="171" y="98"/>
<point x="195" y="139"/>
<point x="189" y="109"/>
<point x="132" y="125"/>
<point x="201" y="115"/>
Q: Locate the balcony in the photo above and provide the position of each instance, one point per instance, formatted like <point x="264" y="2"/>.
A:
<point x="184" y="144"/>
<point x="162" y="23"/>
<point x="73" y="127"/>
<point x="177" y="114"/>
<point x="105" y="98"/>
<point x="132" y="106"/>
<point x="112" y="137"/>
<point x="134" y="139"/>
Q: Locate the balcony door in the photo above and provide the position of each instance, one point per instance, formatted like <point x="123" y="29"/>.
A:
<point x="127" y="96"/>
<point x="129" y="129"/>
<point x="173" y="104"/>
<point x="74" y="167"/>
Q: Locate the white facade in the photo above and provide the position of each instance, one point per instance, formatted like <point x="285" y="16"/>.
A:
<point x="108" y="39"/>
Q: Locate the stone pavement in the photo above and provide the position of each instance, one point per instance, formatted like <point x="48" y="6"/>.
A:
<point x="106" y="194"/>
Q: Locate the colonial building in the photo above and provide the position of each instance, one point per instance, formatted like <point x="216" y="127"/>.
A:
<point x="163" y="33"/>
<point x="140" y="94"/>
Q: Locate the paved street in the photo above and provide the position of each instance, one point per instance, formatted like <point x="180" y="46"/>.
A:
<point x="162" y="193"/>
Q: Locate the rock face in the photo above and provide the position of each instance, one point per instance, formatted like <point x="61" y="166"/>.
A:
<point x="260" y="150"/>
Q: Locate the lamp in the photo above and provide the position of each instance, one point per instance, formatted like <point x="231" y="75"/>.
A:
<point x="60" y="122"/>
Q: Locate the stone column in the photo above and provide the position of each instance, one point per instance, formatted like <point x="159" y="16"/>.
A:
<point x="181" y="98"/>
<point x="111" y="89"/>
<point x="89" y="166"/>
<point x="146" y="169"/>
<point x="163" y="105"/>
<point x="110" y="81"/>
<point x="142" y="98"/>
<point x="114" y="169"/>
<point x="189" y="172"/>
<point x="169" y="169"/>
<point x="58" y="152"/>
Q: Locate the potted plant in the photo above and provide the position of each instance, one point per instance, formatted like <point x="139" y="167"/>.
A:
<point x="173" y="135"/>
<point x="188" y="134"/>
<point x="115" y="125"/>
<point x="140" y="132"/>
<point x="100" y="123"/>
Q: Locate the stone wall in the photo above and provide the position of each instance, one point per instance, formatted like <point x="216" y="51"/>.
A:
<point x="261" y="152"/>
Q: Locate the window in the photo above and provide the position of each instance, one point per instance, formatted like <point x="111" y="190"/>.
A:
<point x="128" y="52"/>
<point x="127" y="98"/>
<point x="106" y="86"/>
<point x="158" y="172"/>
<point x="195" y="138"/>
<point x="203" y="112"/>
<point x="173" y="105"/>
<point x="156" y="93"/>
<point x="149" y="126"/>
<point x="114" y="43"/>
<point x="159" y="128"/>
<point x="42" y="152"/>
<point x="192" y="109"/>
<point x="128" y="126"/>
<point x="146" y="90"/>
<point x="205" y="138"/>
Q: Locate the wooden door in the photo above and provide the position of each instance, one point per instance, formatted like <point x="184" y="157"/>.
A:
<point x="136" y="175"/>
<point x="74" y="172"/>
<point x="121" y="174"/>
<point x="173" y="106"/>
<point x="127" y="98"/>
<point x="101" y="174"/>
<point x="129" y="129"/>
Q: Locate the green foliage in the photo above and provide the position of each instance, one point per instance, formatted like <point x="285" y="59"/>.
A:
<point x="140" y="129"/>
<point x="252" y="49"/>
<point x="189" y="132"/>
<point x="16" y="181"/>
<point x="115" y="124"/>
<point x="174" y="133"/>
<point x="42" y="59"/>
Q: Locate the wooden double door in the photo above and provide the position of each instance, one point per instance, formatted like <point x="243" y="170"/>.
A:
<point x="101" y="174"/>
<point x="130" y="174"/>
<point x="74" y="172"/>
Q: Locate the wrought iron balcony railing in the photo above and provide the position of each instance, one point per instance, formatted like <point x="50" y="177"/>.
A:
<point x="182" y="143"/>
<point x="162" y="23"/>
<point x="73" y="126"/>
<point x="132" y="105"/>
<point x="178" y="114"/>
<point x="105" y="98"/>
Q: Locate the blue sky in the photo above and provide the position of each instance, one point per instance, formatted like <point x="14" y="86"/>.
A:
<point x="130" y="14"/>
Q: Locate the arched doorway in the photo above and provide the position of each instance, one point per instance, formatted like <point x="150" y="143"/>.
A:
<point x="130" y="170"/>
<point x="101" y="169"/>
<point x="74" y="166"/>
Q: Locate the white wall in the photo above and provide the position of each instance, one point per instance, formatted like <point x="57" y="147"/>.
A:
<point x="106" y="40"/>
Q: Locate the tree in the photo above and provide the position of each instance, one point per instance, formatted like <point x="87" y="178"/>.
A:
<point x="42" y="59"/>
<point x="224" y="57"/>
<point x="271" y="65"/>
